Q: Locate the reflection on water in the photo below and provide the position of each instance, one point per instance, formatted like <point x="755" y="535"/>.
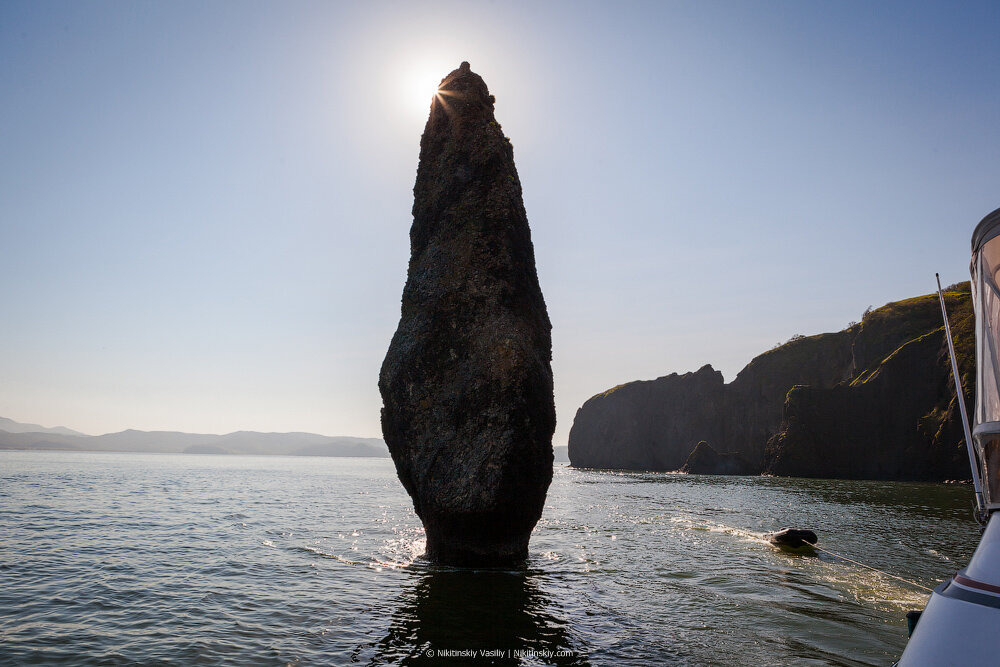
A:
<point x="476" y="616"/>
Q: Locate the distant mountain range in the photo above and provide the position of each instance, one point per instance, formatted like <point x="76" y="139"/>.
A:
<point x="15" y="435"/>
<point x="12" y="426"/>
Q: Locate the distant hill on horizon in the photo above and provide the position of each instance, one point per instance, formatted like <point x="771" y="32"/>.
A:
<point x="17" y="435"/>
<point x="12" y="426"/>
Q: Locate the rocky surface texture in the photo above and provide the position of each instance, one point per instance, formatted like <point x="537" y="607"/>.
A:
<point x="468" y="410"/>
<point x="872" y="401"/>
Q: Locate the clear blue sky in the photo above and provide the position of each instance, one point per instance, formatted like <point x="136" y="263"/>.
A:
<point x="204" y="206"/>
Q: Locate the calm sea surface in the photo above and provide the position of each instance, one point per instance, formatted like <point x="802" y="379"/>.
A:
<point x="109" y="558"/>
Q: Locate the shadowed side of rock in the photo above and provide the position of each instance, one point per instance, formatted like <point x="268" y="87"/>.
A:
<point x="468" y="411"/>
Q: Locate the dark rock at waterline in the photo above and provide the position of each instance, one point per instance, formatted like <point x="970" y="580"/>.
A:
<point x="705" y="460"/>
<point x="792" y="537"/>
<point x="468" y="411"/>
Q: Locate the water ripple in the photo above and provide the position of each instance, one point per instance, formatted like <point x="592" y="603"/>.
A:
<point x="161" y="559"/>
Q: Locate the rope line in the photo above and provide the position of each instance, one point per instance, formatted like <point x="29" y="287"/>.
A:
<point x="907" y="581"/>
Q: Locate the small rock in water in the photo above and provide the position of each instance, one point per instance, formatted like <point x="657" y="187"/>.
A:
<point x="466" y="385"/>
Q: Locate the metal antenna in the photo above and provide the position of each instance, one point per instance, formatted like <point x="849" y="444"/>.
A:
<point x="980" y="504"/>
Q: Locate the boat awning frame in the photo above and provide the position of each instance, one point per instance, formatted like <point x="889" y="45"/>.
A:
<point x="988" y="228"/>
<point x="986" y="428"/>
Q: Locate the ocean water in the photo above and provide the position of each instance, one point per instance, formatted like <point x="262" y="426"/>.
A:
<point x="114" y="559"/>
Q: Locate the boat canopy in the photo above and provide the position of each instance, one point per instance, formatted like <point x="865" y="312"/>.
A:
<point x="985" y="270"/>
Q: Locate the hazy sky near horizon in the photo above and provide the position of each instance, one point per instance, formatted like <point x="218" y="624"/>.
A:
<point x="204" y="207"/>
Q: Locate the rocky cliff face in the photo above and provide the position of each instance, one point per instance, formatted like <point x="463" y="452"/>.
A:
<point x="467" y="384"/>
<point x="898" y="418"/>
<point x="756" y="397"/>
<point x="873" y="400"/>
<point x="648" y="425"/>
<point x="655" y="425"/>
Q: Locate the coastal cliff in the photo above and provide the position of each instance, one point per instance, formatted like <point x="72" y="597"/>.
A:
<point x="655" y="424"/>
<point x="649" y="425"/>
<point x="898" y="417"/>
<point x="874" y="400"/>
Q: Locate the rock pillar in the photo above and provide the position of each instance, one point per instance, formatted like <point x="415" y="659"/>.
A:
<point x="468" y="410"/>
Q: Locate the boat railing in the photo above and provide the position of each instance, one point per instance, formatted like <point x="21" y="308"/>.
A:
<point x="976" y="461"/>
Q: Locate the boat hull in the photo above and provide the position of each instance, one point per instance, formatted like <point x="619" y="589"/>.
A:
<point x="961" y="623"/>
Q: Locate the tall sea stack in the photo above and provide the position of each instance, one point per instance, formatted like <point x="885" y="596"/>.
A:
<point x="466" y="384"/>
